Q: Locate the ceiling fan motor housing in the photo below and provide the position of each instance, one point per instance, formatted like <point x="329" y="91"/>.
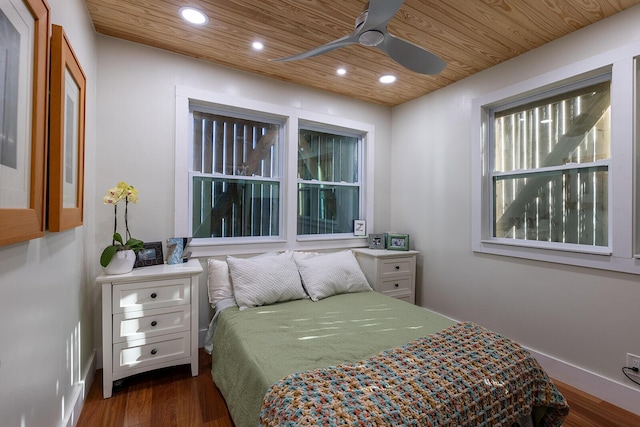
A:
<point x="371" y="38"/>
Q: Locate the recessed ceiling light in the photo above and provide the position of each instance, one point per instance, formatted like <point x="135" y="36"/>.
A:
<point x="387" y="78"/>
<point x="193" y="15"/>
<point x="341" y="71"/>
<point x="257" y="45"/>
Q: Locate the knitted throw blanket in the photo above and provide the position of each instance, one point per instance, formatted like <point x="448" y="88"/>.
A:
<point x="464" y="375"/>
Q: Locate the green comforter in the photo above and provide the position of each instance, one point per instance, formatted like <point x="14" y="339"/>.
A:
<point x="256" y="347"/>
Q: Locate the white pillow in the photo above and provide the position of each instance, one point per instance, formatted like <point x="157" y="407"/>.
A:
<point x="332" y="274"/>
<point x="304" y="255"/>
<point x="218" y="281"/>
<point x="265" y="280"/>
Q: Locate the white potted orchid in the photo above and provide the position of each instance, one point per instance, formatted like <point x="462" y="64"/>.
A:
<point x="120" y="256"/>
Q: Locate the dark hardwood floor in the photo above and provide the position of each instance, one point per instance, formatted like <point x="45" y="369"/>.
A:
<point x="171" y="397"/>
<point x="168" y="397"/>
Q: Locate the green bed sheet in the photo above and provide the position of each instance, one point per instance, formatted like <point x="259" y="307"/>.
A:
<point x="256" y="347"/>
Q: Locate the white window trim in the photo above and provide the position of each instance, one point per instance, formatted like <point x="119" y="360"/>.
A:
<point x="291" y="116"/>
<point x="619" y="257"/>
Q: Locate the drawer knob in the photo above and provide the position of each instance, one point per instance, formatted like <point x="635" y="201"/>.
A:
<point x="153" y="295"/>
<point x="397" y="267"/>
<point x="154" y="323"/>
<point x="397" y="285"/>
<point x="154" y="351"/>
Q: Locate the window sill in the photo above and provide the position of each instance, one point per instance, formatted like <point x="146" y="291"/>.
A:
<point x="601" y="260"/>
<point x="205" y="248"/>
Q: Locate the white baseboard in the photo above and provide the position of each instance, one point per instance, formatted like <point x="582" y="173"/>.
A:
<point x="621" y="395"/>
<point x="80" y="393"/>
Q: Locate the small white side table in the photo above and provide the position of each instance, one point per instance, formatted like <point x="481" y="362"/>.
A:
<point x="149" y="320"/>
<point x="392" y="273"/>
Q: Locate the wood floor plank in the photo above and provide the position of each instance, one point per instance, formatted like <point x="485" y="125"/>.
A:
<point x="98" y="404"/>
<point x="171" y="397"/>
<point x="164" y="400"/>
<point x="188" y="411"/>
<point x="113" y="411"/>
<point x="138" y="411"/>
<point x="587" y="410"/>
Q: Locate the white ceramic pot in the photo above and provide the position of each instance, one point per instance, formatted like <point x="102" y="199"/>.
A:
<point x="122" y="262"/>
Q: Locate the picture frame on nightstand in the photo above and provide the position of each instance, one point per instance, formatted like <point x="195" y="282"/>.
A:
<point x="150" y="254"/>
<point x="397" y="242"/>
<point x="376" y="241"/>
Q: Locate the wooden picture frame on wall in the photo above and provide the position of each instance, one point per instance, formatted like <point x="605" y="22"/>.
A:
<point x="66" y="135"/>
<point x="23" y="128"/>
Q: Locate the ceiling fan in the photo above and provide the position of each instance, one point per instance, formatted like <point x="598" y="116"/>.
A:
<point x="371" y="30"/>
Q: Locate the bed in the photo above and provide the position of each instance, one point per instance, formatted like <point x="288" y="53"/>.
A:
<point x="338" y="353"/>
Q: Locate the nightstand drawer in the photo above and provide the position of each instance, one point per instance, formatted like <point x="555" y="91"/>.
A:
<point x="140" y="353"/>
<point x="150" y="323"/>
<point x="150" y="295"/>
<point x="399" y="284"/>
<point x="397" y="266"/>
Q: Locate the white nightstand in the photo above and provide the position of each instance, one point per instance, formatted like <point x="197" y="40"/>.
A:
<point x="149" y="320"/>
<point x="392" y="273"/>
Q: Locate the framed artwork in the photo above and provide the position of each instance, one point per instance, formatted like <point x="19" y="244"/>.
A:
<point x="376" y="241"/>
<point x="397" y="242"/>
<point x="177" y="252"/>
<point x="66" y="135"/>
<point x="150" y="254"/>
<point x="359" y="227"/>
<point x="24" y="43"/>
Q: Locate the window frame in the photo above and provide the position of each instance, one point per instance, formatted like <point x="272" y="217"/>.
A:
<point x="292" y="118"/>
<point x="619" y="256"/>
<point x="314" y="127"/>
<point x="636" y="156"/>
<point x="244" y="115"/>
<point x="558" y="90"/>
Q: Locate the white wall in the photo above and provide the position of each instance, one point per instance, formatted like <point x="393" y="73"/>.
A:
<point x="136" y="132"/>
<point x="46" y="292"/>
<point x="584" y="317"/>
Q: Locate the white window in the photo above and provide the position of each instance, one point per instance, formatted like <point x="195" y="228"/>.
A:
<point x="235" y="175"/>
<point x="261" y="176"/>
<point x="549" y="167"/>
<point x="329" y="175"/>
<point x="555" y="163"/>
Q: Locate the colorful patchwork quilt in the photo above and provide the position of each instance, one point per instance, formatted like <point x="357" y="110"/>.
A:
<point x="464" y="375"/>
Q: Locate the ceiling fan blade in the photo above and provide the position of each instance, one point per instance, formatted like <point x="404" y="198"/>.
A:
<point x="381" y="12"/>
<point x="411" y="56"/>
<point x="351" y="38"/>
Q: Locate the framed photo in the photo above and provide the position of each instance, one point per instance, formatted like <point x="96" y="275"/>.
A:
<point x="150" y="254"/>
<point x="397" y="242"/>
<point x="66" y="135"/>
<point x="359" y="227"/>
<point x="24" y="41"/>
<point x="376" y="241"/>
<point x="177" y="251"/>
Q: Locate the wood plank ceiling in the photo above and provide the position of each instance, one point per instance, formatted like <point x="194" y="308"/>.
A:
<point x="470" y="35"/>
